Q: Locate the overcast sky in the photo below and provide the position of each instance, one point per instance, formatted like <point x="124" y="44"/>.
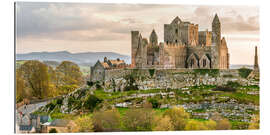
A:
<point x="106" y="27"/>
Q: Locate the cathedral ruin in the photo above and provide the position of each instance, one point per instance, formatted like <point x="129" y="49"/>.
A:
<point x="184" y="47"/>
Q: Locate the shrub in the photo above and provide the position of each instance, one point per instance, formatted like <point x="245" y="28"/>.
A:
<point x="223" y="124"/>
<point x="51" y="106"/>
<point x="90" y="83"/>
<point x="147" y="105"/>
<point x="52" y="130"/>
<point x="130" y="83"/>
<point x="154" y="102"/>
<point x="210" y="125"/>
<point x="163" y="124"/>
<point x="151" y="72"/>
<point x="224" y="88"/>
<point x="240" y="125"/>
<point x="228" y="76"/>
<point x="98" y="86"/>
<point x="255" y="122"/>
<point x="229" y="87"/>
<point x="59" y="101"/>
<point x="232" y="84"/>
<point x="195" y="125"/>
<point x="106" y="120"/>
<point x="83" y="124"/>
<point x="178" y="117"/>
<point x="91" y="102"/>
<point x="244" y="72"/>
<point x="138" y="119"/>
<point x="72" y="102"/>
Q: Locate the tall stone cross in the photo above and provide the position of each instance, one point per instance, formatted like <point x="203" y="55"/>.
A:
<point x="256" y="65"/>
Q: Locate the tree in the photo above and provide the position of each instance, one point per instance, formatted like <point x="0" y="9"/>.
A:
<point x="108" y="120"/>
<point x="36" y="77"/>
<point x="163" y="124"/>
<point x="178" y="117"/>
<point x="147" y="105"/>
<point x="21" y="92"/>
<point x="91" y="102"/>
<point x="138" y="119"/>
<point x="52" y="130"/>
<point x="223" y="124"/>
<point x="195" y="125"/>
<point x="210" y="125"/>
<point x="69" y="73"/>
<point x="83" y="124"/>
<point x="154" y="102"/>
<point x="255" y="122"/>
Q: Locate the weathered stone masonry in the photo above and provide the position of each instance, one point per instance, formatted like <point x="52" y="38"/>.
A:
<point x="184" y="47"/>
<point x="170" y="78"/>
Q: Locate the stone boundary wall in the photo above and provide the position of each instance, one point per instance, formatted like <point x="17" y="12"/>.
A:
<point x="172" y="78"/>
<point x="119" y="73"/>
<point x="116" y="73"/>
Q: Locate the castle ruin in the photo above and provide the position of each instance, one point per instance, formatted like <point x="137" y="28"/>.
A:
<point x="184" y="47"/>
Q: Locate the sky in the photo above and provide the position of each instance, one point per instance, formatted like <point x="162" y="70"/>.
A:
<point x="91" y="27"/>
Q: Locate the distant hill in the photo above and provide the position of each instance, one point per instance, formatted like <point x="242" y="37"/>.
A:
<point x="86" y="58"/>
<point x="237" y="66"/>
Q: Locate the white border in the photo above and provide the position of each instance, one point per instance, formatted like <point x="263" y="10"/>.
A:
<point x="7" y="61"/>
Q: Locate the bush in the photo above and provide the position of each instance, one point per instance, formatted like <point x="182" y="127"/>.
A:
<point x="163" y="124"/>
<point x="91" y="102"/>
<point x="178" y="117"/>
<point x="59" y="101"/>
<point x="52" y="130"/>
<point x="195" y="125"/>
<point x="83" y="124"/>
<point x="51" y="106"/>
<point x="229" y="87"/>
<point x="90" y="83"/>
<point x="106" y="120"/>
<point x="138" y="119"/>
<point x="98" y="86"/>
<point x="255" y="123"/>
<point x="232" y="84"/>
<point x="228" y="76"/>
<point x="151" y="72"/>
<point x="154" y="102"/>
<point x="244" y="72"/>
<point x="74" y="102"/>
<point x="223" y="124"/>
<point x="64" y="89"/>
<point x="130" y="83"/>
<point x="224" y="88"/>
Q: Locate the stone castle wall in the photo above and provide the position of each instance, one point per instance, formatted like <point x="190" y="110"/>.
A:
<point x="170" y="78"/>
<point x="188" y="47"/>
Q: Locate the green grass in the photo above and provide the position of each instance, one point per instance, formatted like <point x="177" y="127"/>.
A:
<point x="242" y="98"/>
<point x="239" y="125"/>
<point x="122" y="111"/>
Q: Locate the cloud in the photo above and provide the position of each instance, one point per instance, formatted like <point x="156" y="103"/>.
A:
<point x="68" y="21"/>
<point x="238" y="24"/>
<point x="76" y="26"/>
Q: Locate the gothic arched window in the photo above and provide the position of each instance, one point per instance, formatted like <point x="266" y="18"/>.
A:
<point x="192" y="62"/>
<point x="204" y="62"/>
